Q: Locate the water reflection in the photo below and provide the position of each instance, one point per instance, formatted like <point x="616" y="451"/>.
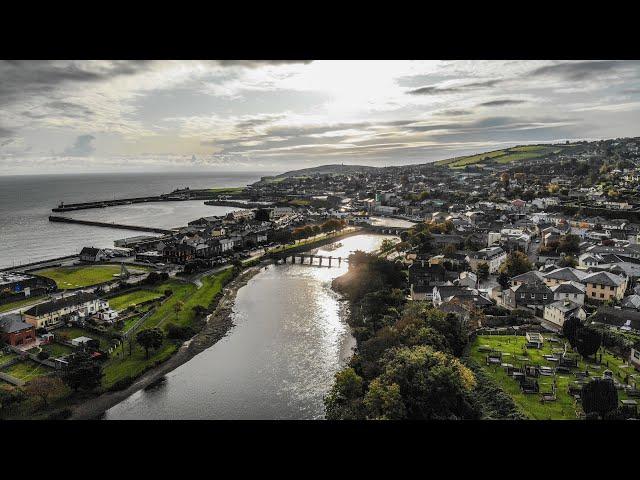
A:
<point x="278" y="361"/>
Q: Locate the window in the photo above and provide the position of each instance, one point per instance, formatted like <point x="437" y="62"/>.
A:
<point x="533" y="295"/>
<point x="612" y="288"/>
<point x="602" y="295"/>
<point x="544" y="297"/>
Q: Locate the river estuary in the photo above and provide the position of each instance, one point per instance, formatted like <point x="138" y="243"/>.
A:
<point x="277" y="362"/>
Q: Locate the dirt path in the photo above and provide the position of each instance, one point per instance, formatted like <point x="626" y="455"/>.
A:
<point x="218" y="324"/>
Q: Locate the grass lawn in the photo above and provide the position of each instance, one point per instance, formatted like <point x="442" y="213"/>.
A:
<point x="27" y="370"/>
<point x="56" y="350"/>
<point x="22" y="303"/>
<point x="84" y="276"/>
<point x="133" y="298"/>
<point x="121" y="365"/>
<point x="6" y="357"/>
<point x="190" y="296"/>
<point x="565" y="407"/>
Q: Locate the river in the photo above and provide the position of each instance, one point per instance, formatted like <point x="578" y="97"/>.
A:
<point x="277" y="362"/>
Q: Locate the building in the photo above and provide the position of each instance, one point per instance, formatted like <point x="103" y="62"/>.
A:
<point x="605" y="286"/>
<point x="179" y="253"/>
<point x="15" y="331"/>
<point x="52" y="312"/>
<point x="530" y="295"/>
<point x="558" y="312"/>
<point x="573" y="291"/>
<point x="534" y="339"/>
<point x="533" y="276"/>
<point x="562" y="275"/>
<point x="91" y="254"/>
<point x="492" y="256"/>
<point x="422" y="277"/>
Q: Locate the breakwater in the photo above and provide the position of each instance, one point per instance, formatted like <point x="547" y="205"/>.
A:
<point x="53" y="218"/>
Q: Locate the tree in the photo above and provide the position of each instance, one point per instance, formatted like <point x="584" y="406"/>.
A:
<point x="177" y="307"/>
<point x="483" y="271"/>
<point x="599" y="396"/>
<point x="344" y="401"/>
<point x="387" y="245"/>
<point x="516" y="263"/>
<point x="9" y="396"/>
<point x="503" y="280"/>
<point x="432" y="385"/>
<point x="150" y="338"/>
<point x="570" y="329"/>
<point x="588" y="341"/>
<point x="263" y="214"/>
<point x="82" y="372"/>
<point x="44" y="388"/>
<point x="384" y="402"/>
<point x="569" y="244"/>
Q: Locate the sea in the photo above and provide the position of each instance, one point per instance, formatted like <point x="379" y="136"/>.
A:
<point x="27" y="236"/>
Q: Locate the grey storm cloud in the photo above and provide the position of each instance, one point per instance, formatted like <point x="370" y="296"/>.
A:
<point x="500" y="103"/>
<point x="579" y="70"/>
<point x="59" y="108"/>
<point x="437" y="90"/>
<point x="6" y="132"/>
<point x="82" y="147"/>
<point x="25" y="78"/>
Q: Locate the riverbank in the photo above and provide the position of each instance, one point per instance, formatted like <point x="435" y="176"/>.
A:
<point x="218" y="324"/>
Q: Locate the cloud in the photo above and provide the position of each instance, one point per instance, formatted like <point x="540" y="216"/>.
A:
<point x="83" y="147"/>
<point x="261" y="63"/>
<point x="579" y="70"/>
<point x="500" y="103"/>
<point x="439" y="89"/>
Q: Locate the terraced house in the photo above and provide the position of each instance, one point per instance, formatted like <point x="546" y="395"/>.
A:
<point x="50" y="313"/>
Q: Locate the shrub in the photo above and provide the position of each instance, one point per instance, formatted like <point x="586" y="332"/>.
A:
<point x="121" y="384"/>
<point x="43" y="355"/>
<point x="177" y="332"/>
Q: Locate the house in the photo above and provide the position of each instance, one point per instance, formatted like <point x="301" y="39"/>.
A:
<point x="422" y="277"/>
<point x="492" y="256"/>
<point x="605" y="286"/>
<point x="533" y="276"/>
<point x="15" y="331"/>
<point x="90" y="254"/>
<point x="445" y="293"/>
<point x="558" y="312"/>
<point x="562" y="275"/>
<point x="179" y="253"/>
<point x="468" y="279"/>
<point x="52" y="312"/>
<point x="632" y="302"/>
<point x="529" y="295"/>
<point x="573" y="291"/>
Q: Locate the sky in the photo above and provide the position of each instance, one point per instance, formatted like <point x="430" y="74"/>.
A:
<point x="261" y="115"/>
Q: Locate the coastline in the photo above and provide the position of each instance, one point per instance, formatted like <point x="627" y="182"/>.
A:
<point x="217" y="326"/>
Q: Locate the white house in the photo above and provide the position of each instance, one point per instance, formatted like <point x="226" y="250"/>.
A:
<point x="557" y="313"/>
<point x="492" y="256"/>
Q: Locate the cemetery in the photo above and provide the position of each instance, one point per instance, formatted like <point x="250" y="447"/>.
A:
<point x="544" y="376"/>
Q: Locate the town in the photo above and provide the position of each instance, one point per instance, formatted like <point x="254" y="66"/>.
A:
<point x="534" y="249"/>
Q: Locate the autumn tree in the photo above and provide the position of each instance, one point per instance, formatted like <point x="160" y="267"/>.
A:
<point x="44" y="388"/>
<point x="516" y="263"/>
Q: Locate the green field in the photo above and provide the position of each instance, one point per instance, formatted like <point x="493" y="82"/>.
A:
<point x="22" y="303"/>
<point x="121" y="365"/>
<point x="512" y="347"/>
<point x="125" y="300"/>
<point x="507" y="155"/>
<point x="27" y="370"/>
<point x="84" y="276"/>
<point x="56" y="350"/>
